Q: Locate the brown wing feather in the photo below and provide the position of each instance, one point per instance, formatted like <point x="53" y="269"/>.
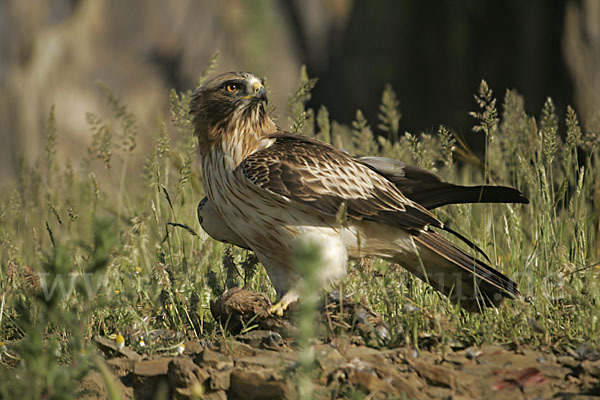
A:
<point x="322" y="177"/>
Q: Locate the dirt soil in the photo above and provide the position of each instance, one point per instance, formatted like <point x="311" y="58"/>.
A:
<point x="263" y="364"/>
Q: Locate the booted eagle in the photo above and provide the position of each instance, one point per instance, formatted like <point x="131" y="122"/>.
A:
<point x="271" y="191"/>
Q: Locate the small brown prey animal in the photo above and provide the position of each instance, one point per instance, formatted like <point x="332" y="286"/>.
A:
<point x="271" y="191"/>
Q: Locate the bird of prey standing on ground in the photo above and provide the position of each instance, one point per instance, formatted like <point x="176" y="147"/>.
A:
<point x="273" y="191"/>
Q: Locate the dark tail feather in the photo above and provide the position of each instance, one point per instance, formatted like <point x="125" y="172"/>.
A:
<point x="431" y="191"/>
<point x="464" y="279"/>
<point x="467" y="242"/>
<point x="433" y="195"/>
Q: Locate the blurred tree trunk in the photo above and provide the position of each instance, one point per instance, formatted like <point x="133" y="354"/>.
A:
<point x="434" y="53"/>
<point x="581" y="47"/>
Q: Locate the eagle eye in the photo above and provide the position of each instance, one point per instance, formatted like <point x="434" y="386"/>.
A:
<point x="232" y="87"/>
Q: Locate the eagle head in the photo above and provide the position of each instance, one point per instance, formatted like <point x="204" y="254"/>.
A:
<point x="230" y="107"/>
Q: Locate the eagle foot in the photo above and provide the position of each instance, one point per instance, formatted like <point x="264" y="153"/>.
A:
<point x="282" y="305"/>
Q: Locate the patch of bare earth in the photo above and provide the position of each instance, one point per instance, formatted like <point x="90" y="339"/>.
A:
<point x="263" y="364"/>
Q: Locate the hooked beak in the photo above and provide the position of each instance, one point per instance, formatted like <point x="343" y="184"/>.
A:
<point x="259" y="92"/>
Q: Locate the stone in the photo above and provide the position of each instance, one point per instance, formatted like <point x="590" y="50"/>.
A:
<point x="212" y="359"/>
<point x="409" y="388"/>
<point x="109" y="347"/>
<point x="434" y="374"/>
<point x="258" y="384"/>
<point x="369" y="381"/>
<point x="264" y="339"/>
<point x="591" y="367"/>
<point x="328" y="358"/>
<point x="215" y="395"/>
<point x="568" y="361"/>
<point x="159" y="366"/>
<point x="555" y="371"/>
<point x="220" y="380"/>
<point x="121" y="366"/>
<point x="183" y="372"/>
<point x="267" y="359"/>
<point x="193" y="347"/>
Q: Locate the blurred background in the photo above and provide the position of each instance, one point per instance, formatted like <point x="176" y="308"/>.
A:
<point x="433" y="53"/>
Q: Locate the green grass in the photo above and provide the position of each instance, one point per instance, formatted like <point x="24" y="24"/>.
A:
<point x="119" y="223"/>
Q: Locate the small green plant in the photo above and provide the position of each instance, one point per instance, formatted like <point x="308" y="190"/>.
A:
<point x="54" y="353"/>
<point x="389" y="114"/>
<point x="362" y="136"/>
<point x="307" y="261"/>
<point x="302" y="120"/>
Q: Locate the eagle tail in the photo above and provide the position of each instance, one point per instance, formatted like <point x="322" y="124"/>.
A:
<point x="462" y="278"/>
<point x="434" y="195"/>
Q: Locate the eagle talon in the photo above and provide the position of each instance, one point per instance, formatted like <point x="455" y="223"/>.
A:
<point x="284" y="304"/>
<point x="277" y="309"/>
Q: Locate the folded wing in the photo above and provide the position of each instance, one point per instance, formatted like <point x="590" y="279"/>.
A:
<point x="316" y="175"/>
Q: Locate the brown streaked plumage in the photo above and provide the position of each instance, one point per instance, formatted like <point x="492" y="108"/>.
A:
<point x="419" y="185"/>
<point x="275" y="190"/>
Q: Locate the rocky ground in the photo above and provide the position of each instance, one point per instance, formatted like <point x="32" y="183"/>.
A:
<point x="263" y="364"/>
